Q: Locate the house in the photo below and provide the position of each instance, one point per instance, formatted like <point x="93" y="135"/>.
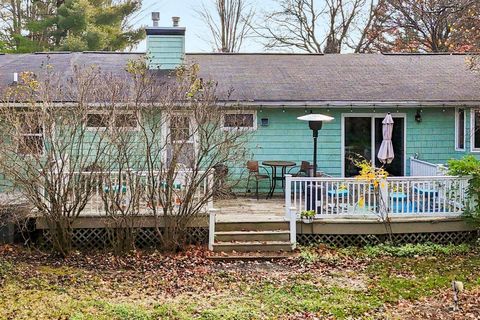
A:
<point x="433" y="99"/>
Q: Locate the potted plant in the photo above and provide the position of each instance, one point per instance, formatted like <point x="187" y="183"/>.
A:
<point x="307" y="216"/>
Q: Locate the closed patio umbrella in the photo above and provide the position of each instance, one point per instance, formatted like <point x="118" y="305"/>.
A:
<point x="385" y="153"/>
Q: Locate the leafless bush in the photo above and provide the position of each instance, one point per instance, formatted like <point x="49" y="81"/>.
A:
<point x="182" y="139"/>
<point x="142" y="145"/>
<point x="46" y="144"/>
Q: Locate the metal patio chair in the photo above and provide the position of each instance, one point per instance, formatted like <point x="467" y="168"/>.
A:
<point x="254" y="173"/>
<point x="301" y="171"/>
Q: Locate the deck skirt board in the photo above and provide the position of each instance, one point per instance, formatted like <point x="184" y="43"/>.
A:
<point x="357" y="226"/>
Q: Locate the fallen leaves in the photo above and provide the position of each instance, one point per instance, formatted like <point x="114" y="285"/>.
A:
<point x="440" y="307"/>
<point x="150" y="278"/>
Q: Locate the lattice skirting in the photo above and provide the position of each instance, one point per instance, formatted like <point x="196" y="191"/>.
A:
<point x="97" y="238"/>
<point x="347" y="240"/>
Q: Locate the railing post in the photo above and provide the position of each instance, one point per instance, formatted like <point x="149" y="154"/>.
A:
<point x="288" y="195"/>
<point x="293" y="228"/>
<point x="290" y="213"/>
<point x="209" y="190"/>
<point x="384" y="204"/>
<point x="211" y="229"/>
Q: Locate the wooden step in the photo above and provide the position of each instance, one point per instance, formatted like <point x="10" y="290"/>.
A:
<point x="266" y="235"/>
<point x="252" y="256"/>
<point x="254" y="246"/>
<point x="252" y="226"/>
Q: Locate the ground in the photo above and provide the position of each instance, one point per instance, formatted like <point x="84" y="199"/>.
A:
<point x="318" y="283"/>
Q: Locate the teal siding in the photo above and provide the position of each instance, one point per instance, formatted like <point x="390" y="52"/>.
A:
<point x="287" y="138"/>
<point x="433" y="139"/>
<point x="165" y="52"/>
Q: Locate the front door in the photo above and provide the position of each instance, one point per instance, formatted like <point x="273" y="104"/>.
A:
<point x="362" y="139"/>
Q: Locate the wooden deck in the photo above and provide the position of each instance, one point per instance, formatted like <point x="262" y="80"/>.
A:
<point x="249" y="210"/>
<point x="244" y="209"/>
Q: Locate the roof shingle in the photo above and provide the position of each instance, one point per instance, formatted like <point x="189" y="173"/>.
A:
<point x="278" y="78"/>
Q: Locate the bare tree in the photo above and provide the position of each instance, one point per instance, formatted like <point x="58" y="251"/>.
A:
<point x="141" y="145"/>
<point x="46" y="145"/>
<point x="430" y="26"/>
<point x="326" y="27"/>
<point x="229" y="23"/>
<point x="183" y="140"/>
<point x="164" y="167"/>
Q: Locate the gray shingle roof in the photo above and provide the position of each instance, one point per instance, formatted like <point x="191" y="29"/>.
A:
<point x="283" y="78"/>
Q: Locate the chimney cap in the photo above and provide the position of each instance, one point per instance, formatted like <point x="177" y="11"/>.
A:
<point x="175" y="21"/>
<point x="155" y="18"/>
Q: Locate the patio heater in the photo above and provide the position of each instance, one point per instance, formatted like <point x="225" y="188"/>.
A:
<point x="315" y="122"/>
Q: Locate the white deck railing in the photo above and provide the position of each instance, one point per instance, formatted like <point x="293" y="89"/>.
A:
<point x="124" y="189"/>
<point x="420" y="168"/>
<point x="395" y="196"/>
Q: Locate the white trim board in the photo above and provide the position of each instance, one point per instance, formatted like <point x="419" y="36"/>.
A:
<point x="472" y="130"/>
<point x="372" y="115"/>
<point x="252" y="112"/>
<point x="464" y="129"/>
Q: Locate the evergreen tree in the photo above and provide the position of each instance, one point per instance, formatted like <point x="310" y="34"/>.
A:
<point x="70" y="25"/>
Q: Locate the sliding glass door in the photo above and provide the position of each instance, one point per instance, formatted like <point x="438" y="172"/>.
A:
<point x="358" y="142"/>
<point x="362" y="139"/>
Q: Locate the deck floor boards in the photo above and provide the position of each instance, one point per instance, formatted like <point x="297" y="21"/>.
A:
<point x="243" y="209"/>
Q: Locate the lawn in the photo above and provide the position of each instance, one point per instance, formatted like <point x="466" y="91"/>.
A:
<point x="379" y="282"/>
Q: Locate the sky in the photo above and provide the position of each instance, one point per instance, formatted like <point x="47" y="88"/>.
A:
<point x="197" y="34"/>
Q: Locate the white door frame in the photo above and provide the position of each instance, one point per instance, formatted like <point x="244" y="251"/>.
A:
<point x="373" y="116"/>
<point x="165" y="132"/>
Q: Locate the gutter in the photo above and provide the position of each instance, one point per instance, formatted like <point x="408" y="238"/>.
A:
<point x="296" y="104"/>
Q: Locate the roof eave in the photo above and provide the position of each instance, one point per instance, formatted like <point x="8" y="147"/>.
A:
<point x="310" y="103"/>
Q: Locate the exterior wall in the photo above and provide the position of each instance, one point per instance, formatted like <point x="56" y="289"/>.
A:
<point x="286" y="138"/>
<point x="433" y="139"/>
<point x="165" y="51"/>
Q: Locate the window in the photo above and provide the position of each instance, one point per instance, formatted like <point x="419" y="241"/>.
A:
<point x="97" y="120"/>
<point x="101" y="120"/>
<point x="460" y="129"/>
<point x="240" y="120"/>
<point x="180" y="128"/>
<point x="475" y="130"/>
<point x="125" y="120"/>
<point x="31" y="135"/>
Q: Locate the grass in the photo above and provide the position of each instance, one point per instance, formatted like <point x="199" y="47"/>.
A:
<point x="327" y="283"/>
<point x="412" y="250"/>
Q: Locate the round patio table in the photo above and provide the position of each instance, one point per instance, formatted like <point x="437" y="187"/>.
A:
<point x="274" y="164"/>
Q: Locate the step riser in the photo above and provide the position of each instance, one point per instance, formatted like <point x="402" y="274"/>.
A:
<point x="251" y="226"/>
<point x="250" y="248"/>
<point x="252" y="237"/>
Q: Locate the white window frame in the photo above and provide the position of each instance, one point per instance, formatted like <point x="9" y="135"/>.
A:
<point x="457" y="110"/>
<point x="165" y="132"/>
<point x="89" y="128"/>
<point x="191" y="137"/>
<point x="42" y="135"/>
<point x="252" y="112"/>
<point x="472" y="130"/>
